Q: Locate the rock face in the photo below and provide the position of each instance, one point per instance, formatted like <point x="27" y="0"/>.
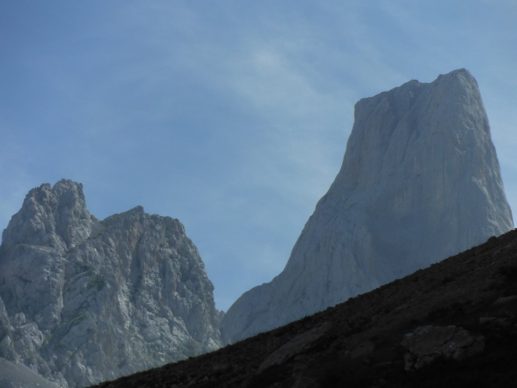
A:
<point x="83" y="300"/>
<point x="420" y="181"/>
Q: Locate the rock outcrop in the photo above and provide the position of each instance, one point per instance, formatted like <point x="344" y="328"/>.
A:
<point x="420" y="181"/>
<point x="82" y="300"/>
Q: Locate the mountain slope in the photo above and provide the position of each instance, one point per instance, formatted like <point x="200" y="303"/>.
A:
<point x="452" y="325"/>
<point x="419" y="181"/>
<point x="83" y="300"/>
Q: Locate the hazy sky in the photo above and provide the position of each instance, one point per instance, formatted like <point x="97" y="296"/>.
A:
<point x="232" y="116"/>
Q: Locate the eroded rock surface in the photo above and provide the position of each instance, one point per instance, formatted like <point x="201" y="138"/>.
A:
<point x="82" y="300"/>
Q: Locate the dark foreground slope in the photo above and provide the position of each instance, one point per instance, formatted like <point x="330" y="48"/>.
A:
<point x="452" y="325"/>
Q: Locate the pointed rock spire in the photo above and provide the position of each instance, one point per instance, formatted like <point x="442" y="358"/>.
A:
<point x="419" y="181"/>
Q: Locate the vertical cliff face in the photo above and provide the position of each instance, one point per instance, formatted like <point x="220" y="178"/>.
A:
<point x="83" y="300"/>
<point x="420" y="181"/>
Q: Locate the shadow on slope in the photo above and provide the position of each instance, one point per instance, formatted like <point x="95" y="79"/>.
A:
<point x="453" y="324"/>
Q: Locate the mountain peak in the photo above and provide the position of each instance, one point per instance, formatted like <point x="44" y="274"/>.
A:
<point x="68" y="186"/>
<point x="419" y="181"/>
<point x="400" y="99"/>
<point x="457" y="74"/>
<point x="119" y="295"/>
<point x="53" y="216"/>
<point x="460" y="85"/>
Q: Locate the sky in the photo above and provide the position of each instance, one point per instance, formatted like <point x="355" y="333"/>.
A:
<point x="231" y="116"/>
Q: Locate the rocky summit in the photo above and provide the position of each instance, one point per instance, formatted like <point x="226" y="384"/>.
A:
<point x="83" y="300"/>
<point x="451" y="325"/>
<point x="419" y="181"/>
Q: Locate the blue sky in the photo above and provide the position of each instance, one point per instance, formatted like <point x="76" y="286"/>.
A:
<point x="232" y="116"/>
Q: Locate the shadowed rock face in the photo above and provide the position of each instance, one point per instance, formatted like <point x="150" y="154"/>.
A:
<point x="420" y="181"/>
<point x="83" y="300"/>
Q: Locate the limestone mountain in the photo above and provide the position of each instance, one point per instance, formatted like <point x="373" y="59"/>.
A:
<point x="83" y="300"/>
<point x="419" y="181"/>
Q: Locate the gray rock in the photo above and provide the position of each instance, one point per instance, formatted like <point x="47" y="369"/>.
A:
<point x="420" y="181"/>
<point x="429" y="343"/>
<point x="19" y="376"/>
<point x="82" y="300"/>
<point x="53" y="217"/>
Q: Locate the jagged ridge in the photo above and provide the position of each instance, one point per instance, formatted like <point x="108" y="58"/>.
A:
<point x="83" y="300"/>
